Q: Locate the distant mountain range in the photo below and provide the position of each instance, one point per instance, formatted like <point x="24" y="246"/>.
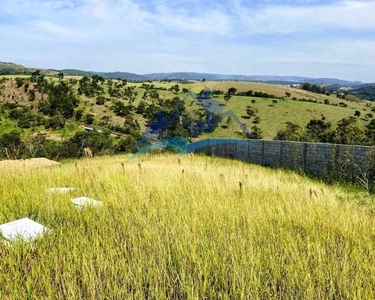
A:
<point x="11" y="68"/>
<point x="256" y="78"/>
<point x="122" y="75"/>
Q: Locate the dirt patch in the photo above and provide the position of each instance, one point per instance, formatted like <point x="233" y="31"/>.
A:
<point x="28" y="163"/>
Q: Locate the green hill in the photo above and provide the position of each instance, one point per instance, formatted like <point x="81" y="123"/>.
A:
<point x="7" y="68"/>
<point x="364" y="92"/>
<point x="61" y="108"/>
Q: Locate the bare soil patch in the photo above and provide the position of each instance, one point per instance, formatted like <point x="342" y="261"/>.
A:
<point x="28" y="163"/>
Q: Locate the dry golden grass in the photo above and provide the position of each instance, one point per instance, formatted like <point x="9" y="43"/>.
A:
<point x="27" y="164"/>
<point x="197" y="229"/>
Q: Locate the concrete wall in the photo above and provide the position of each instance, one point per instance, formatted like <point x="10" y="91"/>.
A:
<point x="312" y="158"/>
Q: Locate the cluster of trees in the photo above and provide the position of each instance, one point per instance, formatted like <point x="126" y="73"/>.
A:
<point x="365" y="92"/>
<point x="91" y="87"/>
<point x="252" y="93"/>
<point x="149" y="87"/>
<point x="346" y="132"/>
<point x="23" y="116"/>
<point x="174" y="88"/>
<point x="61" y="100"/>
<point x="315" y="88"/>
<point x="251" y="113"/>
<point x="233" y="92"/>
<point x="12" y="146"/>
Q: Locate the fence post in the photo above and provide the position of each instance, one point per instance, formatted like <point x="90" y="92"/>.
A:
<point x="305" y="157"/>
<point x="248" y="154"/>
<point x="262" y="153"/>
<point x="281" y="154"/>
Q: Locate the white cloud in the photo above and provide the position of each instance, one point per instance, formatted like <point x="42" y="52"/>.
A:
<point x="287" y="19"/>
<point x="57" y="30"/>
<point x="275" y="37"/>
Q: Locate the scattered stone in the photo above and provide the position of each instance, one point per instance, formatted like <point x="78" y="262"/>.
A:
<point x="84" y="201"/>
<point x="25" y="229"/>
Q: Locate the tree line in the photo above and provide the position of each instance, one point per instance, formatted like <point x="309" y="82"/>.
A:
<point x="347" y="132"/>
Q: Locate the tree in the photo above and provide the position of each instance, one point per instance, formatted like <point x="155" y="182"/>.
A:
<point x="370" y="133"/>
<point x="78" y="114"/>
<point x="126" y="145"/>
<point x="11" y="145"/>
<point x="306" y="86"/>
<point x="227" y="97"/>
<point x="256" y="120"/>
<point x="288" y="94"/>
<point x="347" y="133"/>
<point x="256" y="133"/>
<point x="34" y="143"/>
<point x="56" y="122"/>
<point x="319" y="131"/>
<point x="357" y="113"/>
<point x="61" y="100"/>
<point x="32" y="95"/>
<point x="292" y="132"/>
<point x="98" y="142"/>
<point x="250" y="112"/>
<point x="100" y="100"/>
<point x="19" y="82"/>
<point x="60" y="76"/>
<point x="89" y="119"/>
<point x="232" y="91"/>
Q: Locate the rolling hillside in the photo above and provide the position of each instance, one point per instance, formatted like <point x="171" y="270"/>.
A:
<point x="273" y="113"/>
<point x="11" y="68"/>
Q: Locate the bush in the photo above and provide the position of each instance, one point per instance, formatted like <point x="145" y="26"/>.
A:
<point x="56" y="122"/>
<point x="78" y="114"/>
<point x="89" y="119"/>
<point x="11" y="145"/>
<point x="100" y="100"/>
<point x="126" y="145"/>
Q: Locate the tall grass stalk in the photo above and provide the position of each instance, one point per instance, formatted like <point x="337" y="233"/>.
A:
<point x="174" y="229"/>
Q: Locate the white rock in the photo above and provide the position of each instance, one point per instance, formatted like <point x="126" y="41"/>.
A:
<point x="25" y="229"/>
<point x="64" y="190"/>
<point x="84" y="201"/>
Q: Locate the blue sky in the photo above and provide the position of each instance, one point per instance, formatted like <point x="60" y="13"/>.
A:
<point x="271" y="37"/>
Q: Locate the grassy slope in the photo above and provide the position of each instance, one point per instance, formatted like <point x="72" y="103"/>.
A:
<point x="272" y="118"/>
<point x="165" y="234"/>
<point x="273" y="89"/>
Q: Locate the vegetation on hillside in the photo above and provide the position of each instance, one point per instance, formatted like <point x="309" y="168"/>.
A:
<point x="119" y="112"/>
<point x="365" y="92"/>
<point x="321" y="131"/>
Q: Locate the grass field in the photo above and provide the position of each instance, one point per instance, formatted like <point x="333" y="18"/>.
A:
<point x="186" y="230"/>
<point x="274" y="117"/>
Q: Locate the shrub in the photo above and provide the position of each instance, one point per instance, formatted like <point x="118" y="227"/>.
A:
<point x="56" y="122"/>
<point x="89" y="119"/>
